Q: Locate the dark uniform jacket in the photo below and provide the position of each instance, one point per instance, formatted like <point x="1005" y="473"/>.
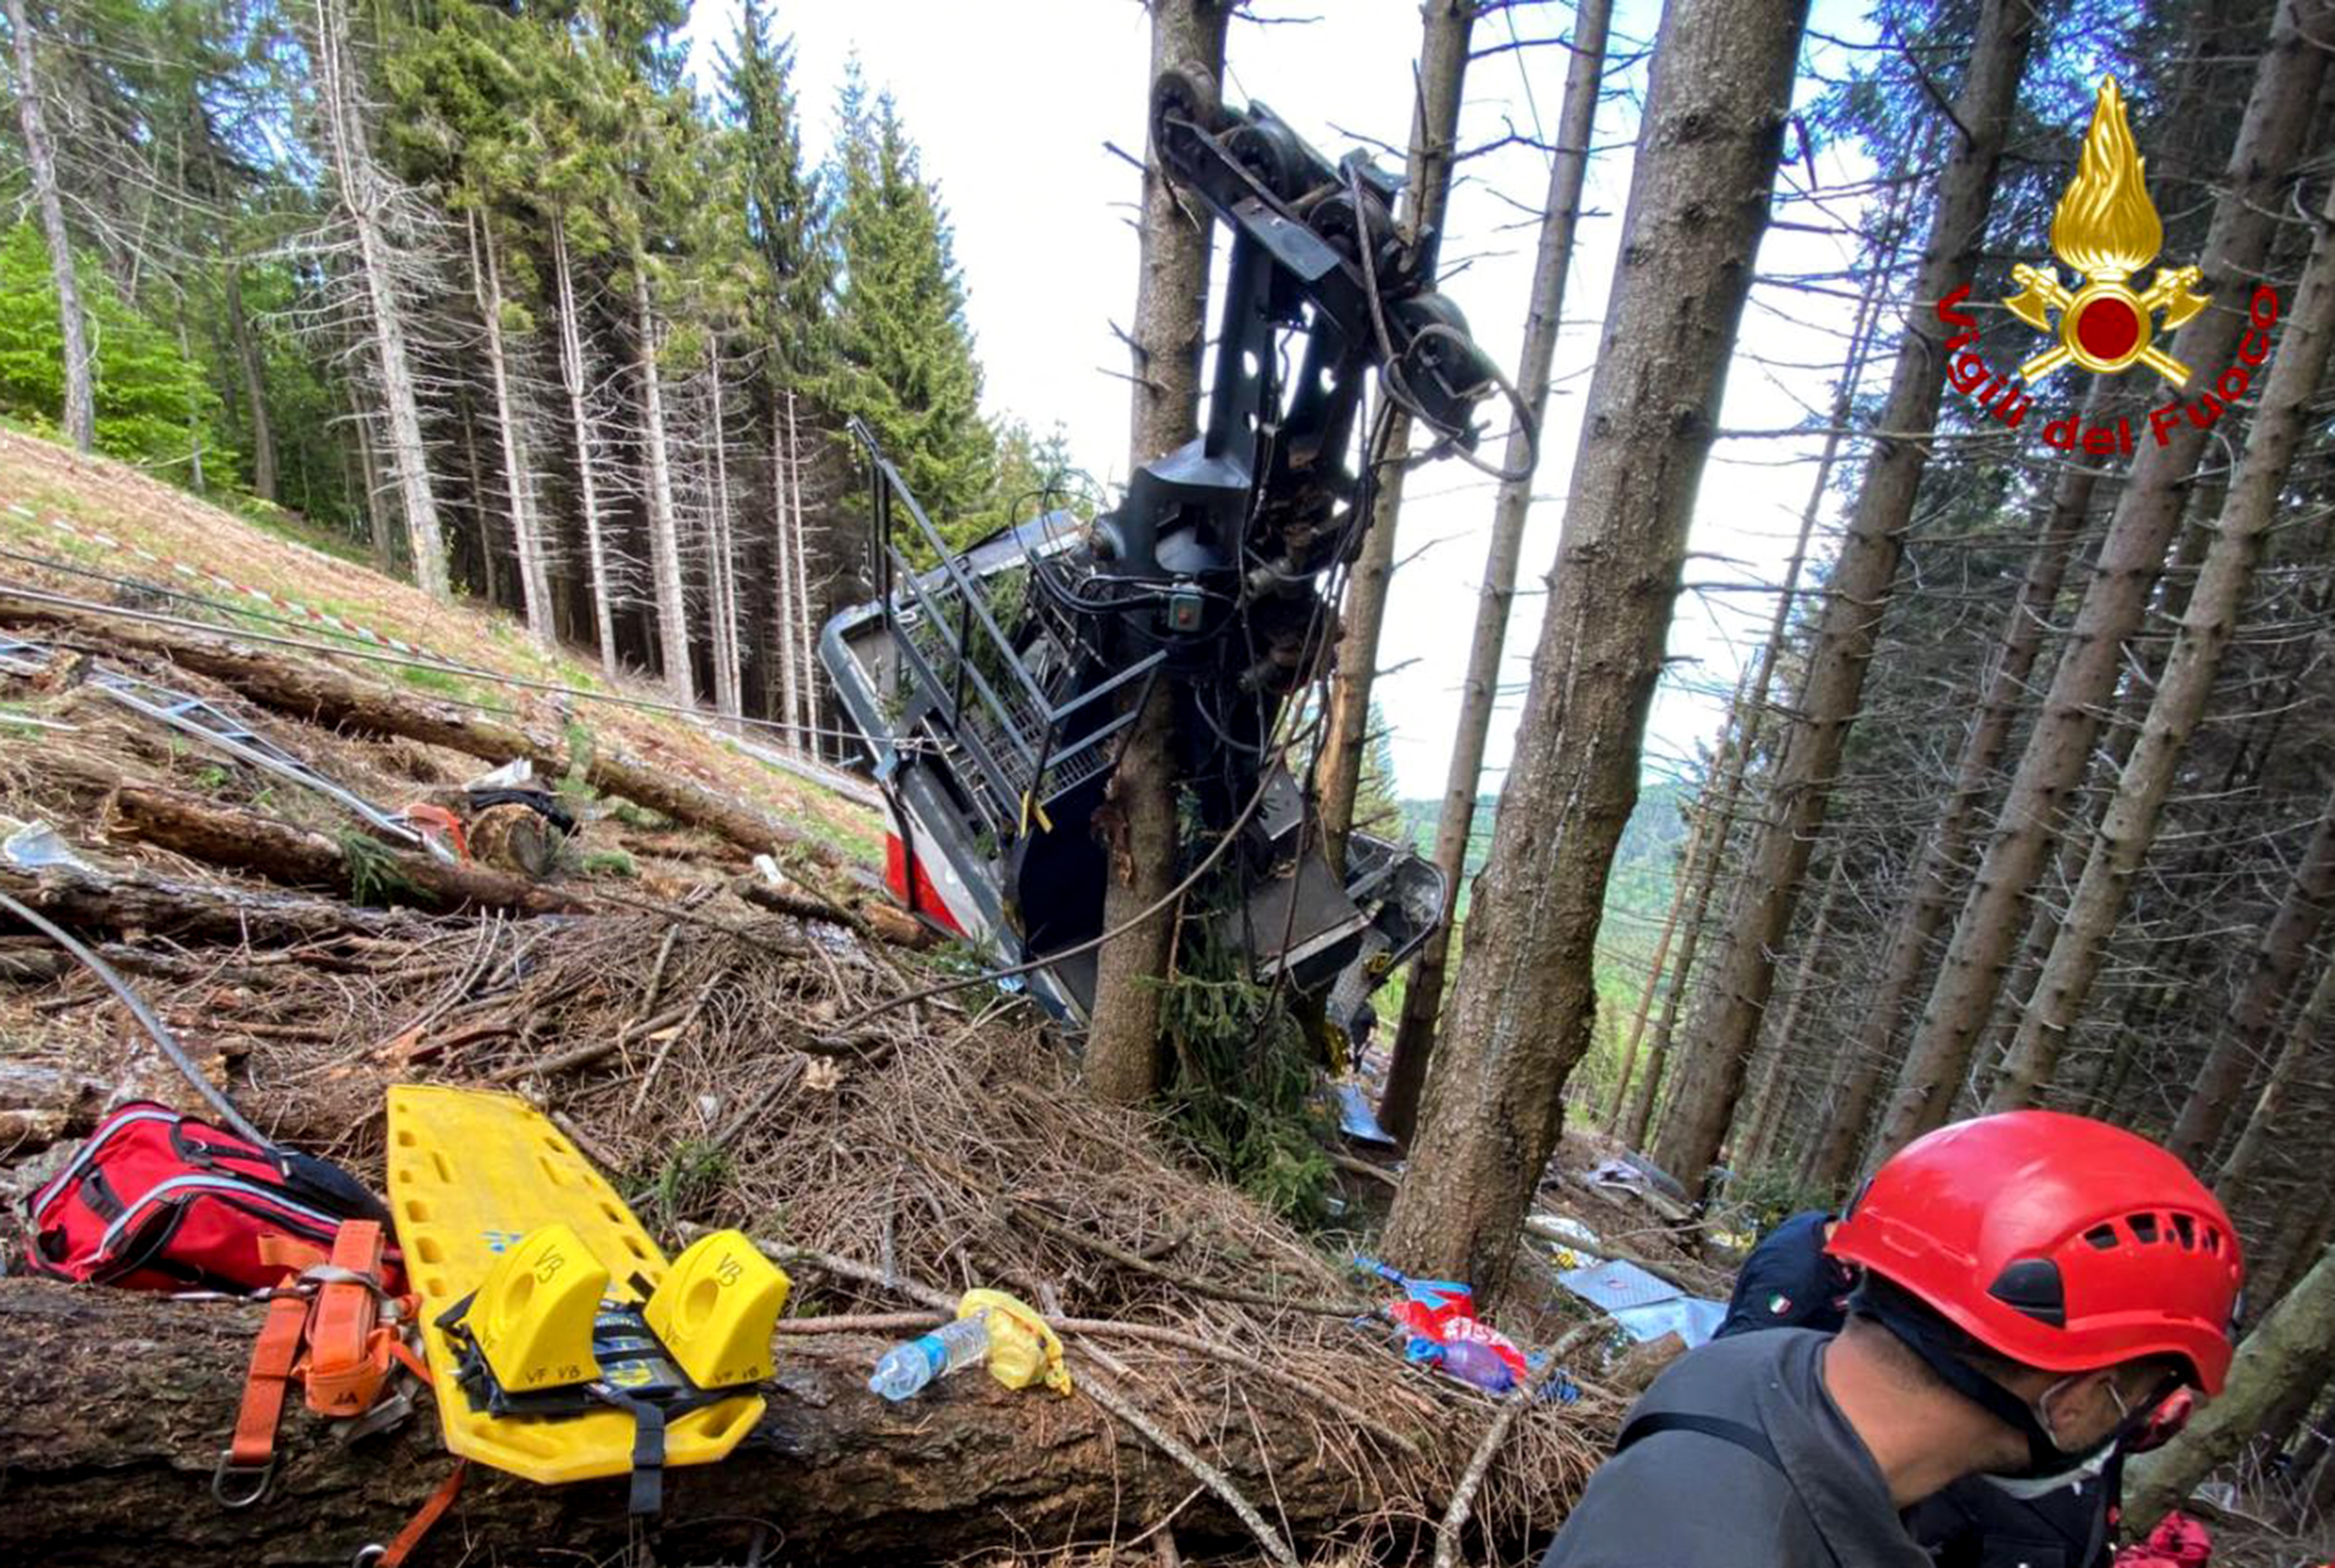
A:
<point x="1683" y="1499"/>
<point x="1789" y="1281"/>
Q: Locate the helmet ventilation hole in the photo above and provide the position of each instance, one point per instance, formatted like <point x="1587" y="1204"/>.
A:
<point x="2184" y="1231"/>
<point x="2142" y="1227"/>
<point x="2104" y="1238"/>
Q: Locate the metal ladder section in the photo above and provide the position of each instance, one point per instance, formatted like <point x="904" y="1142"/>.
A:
<point x="220" y="730"/>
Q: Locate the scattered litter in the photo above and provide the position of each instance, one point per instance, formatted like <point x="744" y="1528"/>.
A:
<point x="35" y="846"/>
<point x="768" y="869"/>
<point x="1574" y="1244"/>
<point x="1646" y="1306"/>
<point x="1639" y="1178"/>
<point x="1019" y="1345"/>
<point x="1441" y="1330"/>
<point x="1357" y="1120"/>
<point x="516" y="774"/>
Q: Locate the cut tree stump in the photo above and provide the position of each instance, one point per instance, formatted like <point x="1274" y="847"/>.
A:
<point x="118" y="1402"/>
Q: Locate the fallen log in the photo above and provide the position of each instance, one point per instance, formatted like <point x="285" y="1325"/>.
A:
<point x="119" y="1404"/>
<point x="243" y="840"/>
<point x="320" y="694"/>
<point x="97" y="901"/>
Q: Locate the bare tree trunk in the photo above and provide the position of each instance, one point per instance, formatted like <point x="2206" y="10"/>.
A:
<point x="573" y="376"/>
<point x="2293" y="1347"/>
<point x="2239" y="1171"/>
<point x="490" y="582"/>
<point x="665" y="528"/>
<point x="526" y="536"/>
<point x="1858" y="592"/>
<point x="784" y="547"/>
<point x="1689" y="863"/>
<point x="1171" y="309"/>
<point x="1924" y="906"/>
<point x="1752" y="718"/>
<point x="2277" y="961"/>
<point x="2272" y="137"/>
<point x="2128" y="827"/>
<point x="40" y="158"/>
<point x="255" y="388"/>
<point x="721" y="580"/>
<point x="1768" y="1100"/>
<point x="1422" y="1000"/>
<point x="805" y="620"/>
<point x="1434" y="141"/>
<point x="1722" y="794"/>
<point x="1520" y="1017"/>
<point x="364" y="195"/>
<point x="384" y="545"/>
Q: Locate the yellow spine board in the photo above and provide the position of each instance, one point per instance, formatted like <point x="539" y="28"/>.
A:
<point x="471" y="1174"/>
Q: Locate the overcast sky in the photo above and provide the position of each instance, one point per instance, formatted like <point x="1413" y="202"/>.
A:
<point x="1016" y="109"/>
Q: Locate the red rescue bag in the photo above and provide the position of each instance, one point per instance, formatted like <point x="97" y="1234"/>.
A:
<point x="160" y="1201"/>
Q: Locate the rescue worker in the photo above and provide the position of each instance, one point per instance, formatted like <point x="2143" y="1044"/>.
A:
<point x="1790" y="1280"/>
<point x="2034" y="1286"/>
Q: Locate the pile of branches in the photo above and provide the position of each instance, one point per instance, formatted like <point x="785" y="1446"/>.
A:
<point x="693" y="1052"/>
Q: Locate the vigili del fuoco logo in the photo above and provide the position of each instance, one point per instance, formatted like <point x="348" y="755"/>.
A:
<point x="2105" y="230"/>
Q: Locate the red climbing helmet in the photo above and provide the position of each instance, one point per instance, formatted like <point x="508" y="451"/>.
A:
<point x="2057" y="1241"/>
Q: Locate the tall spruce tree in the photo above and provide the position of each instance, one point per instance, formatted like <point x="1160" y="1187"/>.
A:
<point x="904" y="360"/>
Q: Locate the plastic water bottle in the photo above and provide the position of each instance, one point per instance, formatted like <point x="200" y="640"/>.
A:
<point x="1472" y="1361"/>
<point x="907" y="1368"/>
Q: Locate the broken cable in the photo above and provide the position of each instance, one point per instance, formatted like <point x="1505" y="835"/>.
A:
<point x="145" y="1017"/>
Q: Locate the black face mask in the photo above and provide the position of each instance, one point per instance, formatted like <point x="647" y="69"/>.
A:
<point x="2047" y="1461"/>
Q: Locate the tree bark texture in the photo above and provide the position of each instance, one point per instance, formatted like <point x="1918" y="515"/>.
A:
<point x="121" y="1402"/>
<point x="1171" y="315"/>
<point x="365" y="196"/>
<point x="2128" y="826"/>
<point x="1929" y="897"/>
<point x="2273" y="136"/>
<point x="1434" y="143"/>
<point x="1858" y="590"/>
<point x="2293" y="1347"/>
<point x="2285" y="942"/>
<point x="185" y="911"/>
<point x="322" y="695"/>
<point x="1520" y="1018"/>
<point x="41" y="160"/>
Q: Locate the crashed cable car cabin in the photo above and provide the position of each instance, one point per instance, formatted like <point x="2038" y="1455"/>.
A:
<point x="996" y="688"/>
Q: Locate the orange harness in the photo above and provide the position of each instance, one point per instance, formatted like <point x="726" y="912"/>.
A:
<point x="337" y="1309"/>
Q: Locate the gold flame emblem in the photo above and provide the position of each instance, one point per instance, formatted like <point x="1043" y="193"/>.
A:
<point x="2107" y="228"/>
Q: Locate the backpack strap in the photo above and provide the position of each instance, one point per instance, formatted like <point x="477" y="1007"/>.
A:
<point x="1741" y="1434"/>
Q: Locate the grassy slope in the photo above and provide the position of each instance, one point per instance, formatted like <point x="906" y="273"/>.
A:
<point x="282" y="559"/>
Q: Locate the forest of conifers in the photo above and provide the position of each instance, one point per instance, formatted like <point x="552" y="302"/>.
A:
<point x="503" y="293"/>
<point x="2025" y="798"/>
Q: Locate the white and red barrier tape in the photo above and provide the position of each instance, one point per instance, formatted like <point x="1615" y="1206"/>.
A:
<point x="205" y="575"/>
